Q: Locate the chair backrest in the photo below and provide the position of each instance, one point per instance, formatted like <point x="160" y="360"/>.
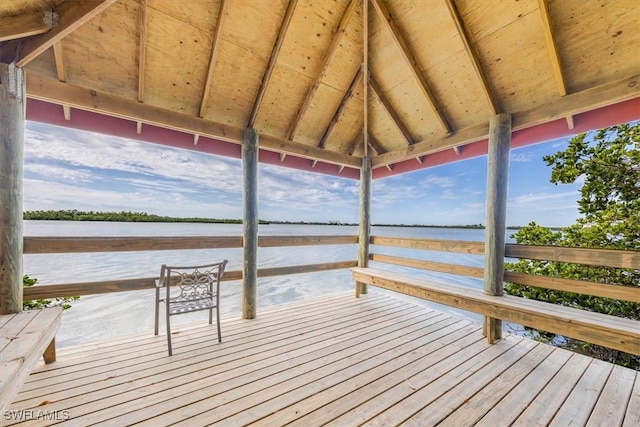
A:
<point x="192" y="282"/>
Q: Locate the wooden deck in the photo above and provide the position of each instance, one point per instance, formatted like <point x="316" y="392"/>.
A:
<point x="336" y="360"/>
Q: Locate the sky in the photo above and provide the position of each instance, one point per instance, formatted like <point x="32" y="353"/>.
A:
<point x="70" y="169"/>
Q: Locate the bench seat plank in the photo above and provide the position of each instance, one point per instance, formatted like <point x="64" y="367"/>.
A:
<point x="609" y="331"/>
<point x="24" y="337"/>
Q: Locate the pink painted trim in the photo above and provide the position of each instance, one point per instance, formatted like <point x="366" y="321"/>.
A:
<point x="622" y="112"/>
<point x="45" y="112"/>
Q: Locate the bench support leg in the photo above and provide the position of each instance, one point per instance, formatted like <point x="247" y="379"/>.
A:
<point x="492" y="329"/>
<point x="361" y="288"/>
<point x="49" y="354"/>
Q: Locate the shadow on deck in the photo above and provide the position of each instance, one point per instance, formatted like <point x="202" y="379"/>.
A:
<point x="335" y="360"/>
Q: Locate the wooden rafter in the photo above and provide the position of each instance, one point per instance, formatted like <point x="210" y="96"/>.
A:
<point x="27" y="24"/>
<point x="272" y="62"/>
<point x="395" y="118"/>
<point x="58" y="57"/>
<point x="484" y="81"/>
<point x="553" y="52"/>
<point x="409" y="58"/>
<point x="59" y="60"/>
<point x="142" y="48"/>
<point x="377" y="148"/>
<point x="335" y="43"/>
<point x="357" y="80"/>
<point x="569" y="105"/>
<point x="353" y="146"/>
<point x="376" y="145"/>
<point x="217" y="36"/>
<point x="53" y="91"/>
<point x="72" y="15"/>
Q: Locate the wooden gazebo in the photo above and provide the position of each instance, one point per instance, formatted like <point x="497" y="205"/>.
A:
<point x="327" y="86"/>
<point x="362" y="89"/>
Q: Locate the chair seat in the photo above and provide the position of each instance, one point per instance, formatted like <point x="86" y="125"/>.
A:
<point x="185" y="305"/>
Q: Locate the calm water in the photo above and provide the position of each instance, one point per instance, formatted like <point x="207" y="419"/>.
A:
<point x="100" y="316"/>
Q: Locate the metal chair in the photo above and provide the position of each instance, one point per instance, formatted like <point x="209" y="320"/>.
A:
<point x="188" y="289"/>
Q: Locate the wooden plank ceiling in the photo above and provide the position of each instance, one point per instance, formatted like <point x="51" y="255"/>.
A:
<point x="195" y="73"/>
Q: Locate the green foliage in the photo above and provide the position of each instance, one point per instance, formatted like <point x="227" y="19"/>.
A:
<point x="609" y="163"/>
<point x="65" y="302"/>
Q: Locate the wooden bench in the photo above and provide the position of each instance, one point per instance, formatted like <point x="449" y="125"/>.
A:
<point x="609" y="331"/>
<point x="23" y="338"/>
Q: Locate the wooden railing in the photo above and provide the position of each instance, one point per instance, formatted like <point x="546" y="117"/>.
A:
<point x="596" y="257"/>
<point x="538" y="318"/>
<point x="57" y="245"/>
<point x="600" y="257"/>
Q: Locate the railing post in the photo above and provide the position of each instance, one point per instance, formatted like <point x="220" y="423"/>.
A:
<point x="12" y="116"/>
<point x="250" y="223"/>
<point x="496" y="210"/>
<point x="365" y="220"/>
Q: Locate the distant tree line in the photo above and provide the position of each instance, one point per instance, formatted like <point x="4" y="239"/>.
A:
<point x="76" y="215"/>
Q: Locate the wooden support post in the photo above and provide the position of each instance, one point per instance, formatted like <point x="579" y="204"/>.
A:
<point x="365" y="220"/>
<point x="12" y="116"/>
<point x="496" y="206"/>
<point x="250" y="228"/>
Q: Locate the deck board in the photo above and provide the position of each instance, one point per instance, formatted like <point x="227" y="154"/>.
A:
<point x="335" y="360"/>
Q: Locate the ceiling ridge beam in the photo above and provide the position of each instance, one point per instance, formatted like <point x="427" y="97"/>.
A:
<point x="411" y="61"/>
<point x="553" y="52"/>
<point x="272" y="62"/>
<point x="473" y="56"/>
<point x="393" y="115"/>
<point x="335" y="43"/>
<point x="357" y="79"/>
<point x="27" y="24"/>
<point x="53" y="91"/>
<point x="73" y="14"/>
<point x="142" y="48"/>
<point x="572" y="104"/>
<point x="217" y="36"/>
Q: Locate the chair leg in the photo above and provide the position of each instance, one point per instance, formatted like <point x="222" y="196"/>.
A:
<point x="169" y="335"/>
<point x="157" y="310"/>
<point x="218" y="324"/>
<point x="211" y="316"/>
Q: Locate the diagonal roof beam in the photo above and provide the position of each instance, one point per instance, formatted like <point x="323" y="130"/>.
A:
<point x="409" y="58"/>
<point x="272" y="62"/>
<point x="375" y="86"/>
<point x="357" y="79"/>
<point x="335" y="43"/>
<point x="455" y="15"/>
<point x="142" y="48"/>
<point x="375" y="144"/>
<point x="27" y="24"/>
<point x="353" y="146"/>
<point x="214" y="55"/>
<point x="553" y="51"/>
<point x="72" y="15"/>
<point x="377" y="148"/>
